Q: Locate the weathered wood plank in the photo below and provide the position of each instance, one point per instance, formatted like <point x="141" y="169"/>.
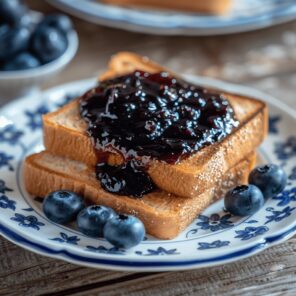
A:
<point x="281" y="87"/>
<point x="269" y="273"/>
<point x="273" y="270"/>
<point x="25" y="272"/>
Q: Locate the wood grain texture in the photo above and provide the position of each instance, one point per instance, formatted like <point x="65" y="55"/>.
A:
<point x="268" y="273"/>
<point x="264" y="59"/>
<point x="24" y="273"/>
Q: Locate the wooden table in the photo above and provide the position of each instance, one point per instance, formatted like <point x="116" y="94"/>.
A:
<point x="264" y="59"/>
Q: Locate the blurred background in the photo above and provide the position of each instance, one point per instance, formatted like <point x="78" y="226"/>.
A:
<point x="262" y="58"/>
<point x="253" y="44"/>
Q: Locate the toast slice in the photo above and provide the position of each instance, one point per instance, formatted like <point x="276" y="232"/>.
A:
<point x="165" y="215"/>
<point x="208" y="6"/>
<point x="65" y="135"/>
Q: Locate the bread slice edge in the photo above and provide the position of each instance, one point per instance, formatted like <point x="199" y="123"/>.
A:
<point x="164" y="215"/>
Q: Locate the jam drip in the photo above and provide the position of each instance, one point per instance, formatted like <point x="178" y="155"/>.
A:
<point x="146" y="116"/>
<point x="126" y="179"/>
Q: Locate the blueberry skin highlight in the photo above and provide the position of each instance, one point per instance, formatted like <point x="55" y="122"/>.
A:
<point x="58" y="21"/>
<point x="244" y="200"/>
<point x="91" y="220"/>
<point x="270" y="179"/>
<point x="48" y="44"/>
<point x="62" y="206"/>
<point x="11" y="11"/>
<point x="124" y="231"/>
<point x="22" y="61"/>
<point x="13" y="41"/>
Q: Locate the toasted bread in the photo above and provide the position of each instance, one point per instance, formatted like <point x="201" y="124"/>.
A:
<point x="65" y="135"/>
<point x="165" y="215"/>
<point x="208" y="6"/>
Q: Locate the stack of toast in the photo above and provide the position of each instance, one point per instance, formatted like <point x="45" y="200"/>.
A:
<point x="184" y="189"/>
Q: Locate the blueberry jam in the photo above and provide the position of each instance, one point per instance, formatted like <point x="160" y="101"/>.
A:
<point x="126" y="179"/>
<point x="146" y="116"/>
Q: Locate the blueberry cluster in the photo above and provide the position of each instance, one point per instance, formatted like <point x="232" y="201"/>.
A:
<point x="25" y="44"/>
<point x="265" y="182"/>
<point x="123" y="231"/>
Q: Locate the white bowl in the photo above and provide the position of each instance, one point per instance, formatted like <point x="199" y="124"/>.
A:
<point x="14" y="84"/>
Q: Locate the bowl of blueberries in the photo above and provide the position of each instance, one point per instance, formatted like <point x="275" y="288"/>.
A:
<point x="33" y="47"/>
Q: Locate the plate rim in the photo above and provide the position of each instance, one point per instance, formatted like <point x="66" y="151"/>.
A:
<point x="144" y="266"/>
<point x="281" y="15"/>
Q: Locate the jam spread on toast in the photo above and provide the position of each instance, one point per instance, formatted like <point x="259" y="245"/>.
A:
<point x="143" y="116"/>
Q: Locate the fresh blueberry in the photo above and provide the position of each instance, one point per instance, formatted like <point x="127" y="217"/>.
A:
<point x="91" y="220"/>
<point x="11" y="11"/>
<point x="4" y="36"/>
<point x="269" y="178"/>
<point x="124" y="231"/>
<point x="244" y="200"/>
<point x="62" y="206"/>
<point x="48" y="44"/>
<point x="58" y="21"/>
<point x="26" y="21"/>
<point x="13" y="41"/>
<point x="22" y="61"/>
<point x="4" y="29"/>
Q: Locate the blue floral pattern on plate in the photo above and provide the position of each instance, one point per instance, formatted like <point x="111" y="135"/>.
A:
<point x="278" y="215"/>
<point x="273" y="122"/>
<point x="104" y="250"/>
<point x="250" y="232"/>
<point x="67" y="98"/>
<point x="6" y="203"/>
<point x="286" y="197"/>
<point x="213" y="245"/>
<point x="214" y="222"/>
<point x="27" y="221"/>
<point x="64" y="238"/>
<point x="158" y="252"/>
<point x="5" y="161"/>
<point x="286" y="150"/>
<point x="3" y="187"/>
<point x="292" y="176"/>
<point x="214" y="236"/>
<point x="35" y="117"/>
<point x="251" y="221"/>
<point x="9" y="134"/>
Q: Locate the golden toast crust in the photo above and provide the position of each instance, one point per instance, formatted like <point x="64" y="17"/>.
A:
<point x="205" y="6"/>
<point x="164" y="215"/>
<point x="65" y="135"/>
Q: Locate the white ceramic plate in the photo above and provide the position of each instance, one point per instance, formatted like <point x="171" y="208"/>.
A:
<point x="215" y="237"/>
<point x="246" y="15"/>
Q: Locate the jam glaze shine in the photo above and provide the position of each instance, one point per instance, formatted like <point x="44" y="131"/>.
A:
<point x="144" y="116"/>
